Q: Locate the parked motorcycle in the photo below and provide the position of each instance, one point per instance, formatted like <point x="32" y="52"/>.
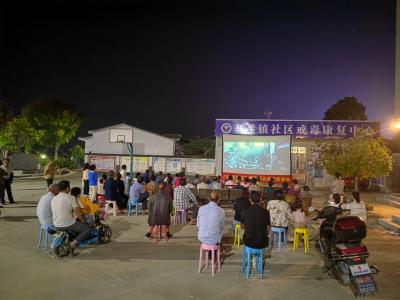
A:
<point x="345" y="256"/>
<point x="61" y="238"/>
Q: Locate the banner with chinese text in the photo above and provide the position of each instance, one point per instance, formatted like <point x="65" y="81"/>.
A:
<point x="298" y="129"/>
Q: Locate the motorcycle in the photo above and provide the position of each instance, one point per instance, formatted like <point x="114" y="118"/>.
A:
<point x="61" y="238"/>
<point x="345" y="256"/>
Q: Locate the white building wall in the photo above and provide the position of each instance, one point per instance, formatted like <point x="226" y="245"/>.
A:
<point x="144" y="143"/>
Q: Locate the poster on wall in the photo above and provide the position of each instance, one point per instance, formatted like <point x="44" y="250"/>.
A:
<point x="103" y="163"/>
<point x="174" y="165"/>
<point x="159" y="164"/>
<point x="140" y="163"/>
<point x="200" y="166"/>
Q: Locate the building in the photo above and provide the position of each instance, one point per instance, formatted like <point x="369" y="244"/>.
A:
<point x="145" y="143"/>
<point x="306" y="134"/>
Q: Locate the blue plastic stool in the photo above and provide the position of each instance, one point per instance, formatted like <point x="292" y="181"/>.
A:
<point x="131" y="204"/>
<point x="274" y="232"/>
<point x="44" y="227"/>
<point x="246" y="259"/>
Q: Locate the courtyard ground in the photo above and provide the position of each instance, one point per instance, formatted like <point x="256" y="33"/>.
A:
<point x="131" y="267"/>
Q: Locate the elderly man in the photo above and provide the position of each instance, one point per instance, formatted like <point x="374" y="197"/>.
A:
<point x="203" y="184"/>
<point x="184" y="199"/>
<point x="210" y="221"/>
<point x="43" y="209"/>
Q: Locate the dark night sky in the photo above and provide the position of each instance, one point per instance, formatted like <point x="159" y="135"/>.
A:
<point x="175" y="68"/>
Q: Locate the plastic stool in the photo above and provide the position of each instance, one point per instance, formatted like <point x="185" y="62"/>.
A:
<point x="45" y="228"/>
<point x="159" y="232"/>
<point x="277" y="231"/>
<point x="213" y="249"/>
<point x="132" y="203"/>
<point x="246" y="259"/>
<point x="237" y="236"/>
<point x="114" y="204"/>
<point x="304" y="232"/>
<point x="182" y="218"/>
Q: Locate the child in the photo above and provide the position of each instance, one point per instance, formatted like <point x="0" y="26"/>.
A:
<point x="92" y="183"/>
<point x="307" y="198"/>
<point x="298" y="217"/>
<point x="100" y="188"/>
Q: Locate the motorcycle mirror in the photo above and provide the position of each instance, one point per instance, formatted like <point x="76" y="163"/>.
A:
<point x="311" y="209"/>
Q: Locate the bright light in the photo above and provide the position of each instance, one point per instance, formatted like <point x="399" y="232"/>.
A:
<point x="397" y="125"/>
<point x="43" y="156"/>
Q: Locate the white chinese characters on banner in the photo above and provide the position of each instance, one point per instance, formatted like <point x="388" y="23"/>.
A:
<point x="200" y="166"/>
<point x="103" y="163"/>
<point x="140" y="164"/>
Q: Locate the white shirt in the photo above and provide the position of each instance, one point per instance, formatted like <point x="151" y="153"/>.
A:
<point x="210" y="221"/>
<point x="123" y="174"/>
<point x="338" y="186"/>
<point x="43" y="209"/>
<point x="202" y="185"/>
<point x="62" y="207"/>
<point x="357" y="209"/>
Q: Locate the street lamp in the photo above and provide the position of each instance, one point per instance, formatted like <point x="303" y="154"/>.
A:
<point x="43" y="156"/>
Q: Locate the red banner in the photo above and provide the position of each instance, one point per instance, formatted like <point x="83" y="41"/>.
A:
<point x="263" y="178"/>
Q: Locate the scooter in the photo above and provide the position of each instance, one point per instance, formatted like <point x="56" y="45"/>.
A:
<point x="61" y="238"/>
<point x="345" y="256"/>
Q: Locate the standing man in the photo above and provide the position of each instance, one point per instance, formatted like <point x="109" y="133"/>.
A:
<point x="184" y="199"/>
<point x="210" y="221"/>
<point x="256" y="222"/>
<point x="8" y="178"/>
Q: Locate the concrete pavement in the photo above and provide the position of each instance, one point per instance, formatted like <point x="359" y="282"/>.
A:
<point x="133" y="267"/>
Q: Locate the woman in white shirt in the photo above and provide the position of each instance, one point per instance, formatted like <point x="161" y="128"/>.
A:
<point x="357" y="207"/>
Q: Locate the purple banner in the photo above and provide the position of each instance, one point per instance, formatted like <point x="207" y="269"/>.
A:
<point x="298" y="129"/>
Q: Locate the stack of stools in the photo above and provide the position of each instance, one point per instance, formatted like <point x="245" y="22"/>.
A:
<point x="297" y="233"/>
<point x="44" y="228"/>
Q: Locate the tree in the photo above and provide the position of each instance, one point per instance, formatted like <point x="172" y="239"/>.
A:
<point x="361" y="157"/>
<point x="17" y="135"/>
<point x="56" y="123"/>
<point x="348" y="108"/>
<point x="6" y="113"/>
<point x="77" y="154"/>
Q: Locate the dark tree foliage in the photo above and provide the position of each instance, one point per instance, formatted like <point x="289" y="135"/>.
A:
<point x="348" y="108"/>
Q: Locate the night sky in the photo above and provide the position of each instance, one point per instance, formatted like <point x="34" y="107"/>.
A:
<point x="174" y="68"/>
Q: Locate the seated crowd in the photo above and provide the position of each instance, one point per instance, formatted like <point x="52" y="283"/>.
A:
<point x="256" y="210"/>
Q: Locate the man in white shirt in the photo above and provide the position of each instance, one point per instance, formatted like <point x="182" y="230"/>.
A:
<point x="337" y="186"/>
<point x="203" y="184"/>
<point x="43" y="209"/>
<point x="229" y="183"/>
<point x="63" y="208"/>
<point x="210" y="221"/>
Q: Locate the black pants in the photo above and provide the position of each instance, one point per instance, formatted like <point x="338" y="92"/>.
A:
<point x="81" y="230"/>
<point x="2" y="192"/>
<point x="195" y="211"/>
<point x="86" y="187"/>
<point x="49" y="181"/>
<point x="9" y="191"/>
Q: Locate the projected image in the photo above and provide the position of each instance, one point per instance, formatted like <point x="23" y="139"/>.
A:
<point x="257" y="155"/>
